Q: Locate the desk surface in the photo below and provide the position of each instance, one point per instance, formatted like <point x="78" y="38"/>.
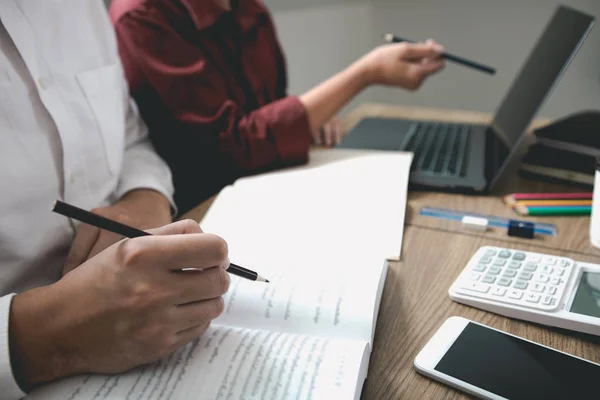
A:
<point x="415" y="300"/>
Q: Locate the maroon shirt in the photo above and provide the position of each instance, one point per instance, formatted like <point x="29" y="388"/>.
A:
<point x="211" y="85"/>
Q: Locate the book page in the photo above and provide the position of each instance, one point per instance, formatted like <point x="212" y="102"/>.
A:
<point x="321" y="234"/>
<point x="233" y="363"/>
<point x="342" y="202"/>
<point x="334" y="302"/>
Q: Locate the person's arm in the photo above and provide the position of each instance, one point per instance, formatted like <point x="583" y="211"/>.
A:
<point x="144" y="195"/>
<point x="8" y="384"/>
<point x="190" y="86"/>
<point x="404" y="65"/>
<point x="142" y="167"/>
<point x="130" y="305"/>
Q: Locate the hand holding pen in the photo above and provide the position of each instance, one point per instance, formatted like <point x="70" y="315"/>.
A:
<point x="406" y="66"/>
<point x="118" y="228"/>
<point x="391" y="38"/>
<point x="131" y="304"/>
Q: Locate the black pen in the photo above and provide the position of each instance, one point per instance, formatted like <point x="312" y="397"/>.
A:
<point x="391" y="38"/>
<point x="124" y="230"/>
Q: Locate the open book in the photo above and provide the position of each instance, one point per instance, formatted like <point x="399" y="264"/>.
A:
<point x="308" y="333"/>
<point x="313" y="343"/>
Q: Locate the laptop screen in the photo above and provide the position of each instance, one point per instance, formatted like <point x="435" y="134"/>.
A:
<point x="558" y="44"/>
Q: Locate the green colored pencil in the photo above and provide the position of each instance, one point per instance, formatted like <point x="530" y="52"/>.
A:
<point x="558" y="210"/>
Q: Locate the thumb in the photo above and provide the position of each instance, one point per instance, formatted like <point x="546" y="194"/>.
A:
<point x="177" y="228"/>
<point x="418" y="51"/>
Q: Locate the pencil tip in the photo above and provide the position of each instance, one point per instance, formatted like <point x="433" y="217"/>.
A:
<point x="388" y="37"/>
<point x="521" y="210"/>
<point x="53" y="205"/>
<point x="509" y="200"/>
<point x="262" y="279"/>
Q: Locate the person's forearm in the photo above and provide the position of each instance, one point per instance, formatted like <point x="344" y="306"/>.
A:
<point x="150" y="202"/>
<point x="37" y="354"/>
<point x="324" y="100"/>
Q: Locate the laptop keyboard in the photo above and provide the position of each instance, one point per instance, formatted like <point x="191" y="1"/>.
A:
<point x="439" y="149"/>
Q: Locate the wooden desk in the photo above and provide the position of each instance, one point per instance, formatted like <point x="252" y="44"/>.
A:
<point x="573" y="231"/>
<point x="415" y="300"/>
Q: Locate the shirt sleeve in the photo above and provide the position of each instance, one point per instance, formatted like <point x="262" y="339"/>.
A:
<point x="194" y="91"/>
<point x="8" y="386"/>
<point x="142" y="167"/>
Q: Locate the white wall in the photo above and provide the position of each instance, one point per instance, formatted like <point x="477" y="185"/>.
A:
<point x="322" y="36"/>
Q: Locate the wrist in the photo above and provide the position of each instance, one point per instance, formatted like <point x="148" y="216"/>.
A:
<point x="366" y="71"/>
<point x="148" y="202"/>
<point x="38" y="351"/>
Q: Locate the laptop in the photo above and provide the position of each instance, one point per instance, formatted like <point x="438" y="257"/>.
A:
<point x="469" y="157"/>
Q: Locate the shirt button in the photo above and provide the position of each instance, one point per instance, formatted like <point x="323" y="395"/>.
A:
<point x="44" y="83"/>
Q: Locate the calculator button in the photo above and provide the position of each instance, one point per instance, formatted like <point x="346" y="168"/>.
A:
<point x="499" y="291"/>
<point x="549" y="301"/>
<point x="485" y="260"/>
<point x="520" y="285"/>
<point x="552" y="289"/>
<point x="559" y="272"/>
<point x="514" y="265"/>
<point x="504" y="254"/>
<point x="556" y="281"/>
<point x="538" y="287"/>
<point x="510" y="273"/>
<point x="526" y="276"/>
<point x="534" y="258"/>
<point x="480" y="267"/>
<point x="564" y="263"/>
<point x="515" y="294"/>
<point x="489" y="279"/>
<point x="543" y="278"/>
<point x="475" y="277"/>
<point x="476" y="287"/>
<point x="530" y="267"/>
<point x="500" y="262"/>
<point x="494" y="270"/>
<point x="490" y="252"/>
<point x="532" y="298"/>
<point x="518" y="256"/>
<point x="504" y="282"/>
<point x="549" y="260"/>
<point x="533" y="263"/>
<point x="546" y="269"/>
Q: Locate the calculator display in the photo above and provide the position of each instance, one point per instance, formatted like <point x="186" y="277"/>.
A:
<point x="587" y="298"/>
<point x="516" y="369"/>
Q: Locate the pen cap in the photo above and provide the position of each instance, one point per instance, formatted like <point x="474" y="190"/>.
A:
<point x="595" y="219"/>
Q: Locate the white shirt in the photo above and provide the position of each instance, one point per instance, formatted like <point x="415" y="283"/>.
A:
<point x="68" y="130"/>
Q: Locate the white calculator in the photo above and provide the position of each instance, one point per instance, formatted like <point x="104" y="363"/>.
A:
<point x="534" y="287"/>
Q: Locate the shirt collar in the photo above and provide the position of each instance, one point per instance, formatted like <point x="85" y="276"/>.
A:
<point x="205" y="13"/>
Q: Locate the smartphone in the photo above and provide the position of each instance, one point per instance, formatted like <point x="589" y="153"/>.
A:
<point x="491" y="364"/>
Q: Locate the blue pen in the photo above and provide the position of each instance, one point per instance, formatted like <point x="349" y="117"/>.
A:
<point x="498" y="222"/>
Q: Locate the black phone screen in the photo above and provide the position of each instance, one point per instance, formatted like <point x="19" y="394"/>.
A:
<point x="516" y="369"/>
